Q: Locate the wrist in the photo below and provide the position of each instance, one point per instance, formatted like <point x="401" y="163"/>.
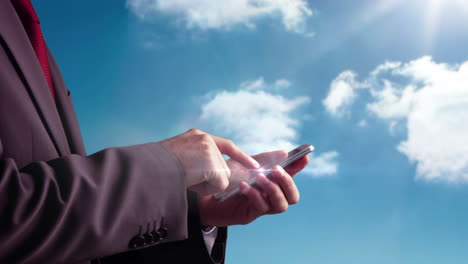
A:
<point x="206" y="211"/>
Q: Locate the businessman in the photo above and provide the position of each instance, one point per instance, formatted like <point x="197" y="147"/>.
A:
<point x="149" y="203"/>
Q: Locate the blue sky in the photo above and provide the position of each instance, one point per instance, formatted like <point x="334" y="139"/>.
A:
<point x="388" y="181"/>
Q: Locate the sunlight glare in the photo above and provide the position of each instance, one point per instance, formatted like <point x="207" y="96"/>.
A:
<point x="432" y="21"/>
<point x="434" y="11"/>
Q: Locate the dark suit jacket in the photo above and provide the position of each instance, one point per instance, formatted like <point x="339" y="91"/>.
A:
<point x="58" y="205"/>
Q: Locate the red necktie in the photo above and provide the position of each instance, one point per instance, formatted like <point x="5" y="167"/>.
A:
<point x="30" y="21"/>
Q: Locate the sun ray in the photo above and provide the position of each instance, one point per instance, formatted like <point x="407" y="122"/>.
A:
<point x="431" y="24"/>
<point x="463" y="4"/>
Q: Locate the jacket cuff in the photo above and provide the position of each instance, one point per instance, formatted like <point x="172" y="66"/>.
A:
<point x="174" y="217"/>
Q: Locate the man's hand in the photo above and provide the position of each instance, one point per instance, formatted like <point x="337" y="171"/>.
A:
<point x="201" y="156"/>
<point x="273" y="195"/>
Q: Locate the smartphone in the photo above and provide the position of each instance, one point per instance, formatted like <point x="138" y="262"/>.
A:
<point x="293" y="156"/>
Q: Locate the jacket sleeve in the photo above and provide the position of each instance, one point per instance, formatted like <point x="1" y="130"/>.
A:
<point x="78" y="208"/>
<point x="191" y="250"/>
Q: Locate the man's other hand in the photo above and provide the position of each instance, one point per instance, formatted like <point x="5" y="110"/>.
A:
<point x="272" y="196"/>
<point x="201" y="156"/>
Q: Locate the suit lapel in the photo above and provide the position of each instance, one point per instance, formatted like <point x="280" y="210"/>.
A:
<point x="66" y="111"/>
<point x="17" y="41"/>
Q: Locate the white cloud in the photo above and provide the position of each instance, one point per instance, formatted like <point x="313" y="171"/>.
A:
<point x="432" y="100"/>
<point x="259" y="84"/>
<point x="259" y="120"/>
<point x="282" y="83"/>
<point x="392" y="102"/>
<point x="253" y="84"/>
<point x="325" y="164"/>
<point x="387" y="66"/>
<point x="362" y="123"/>
<point x="212" y="14"/>
<point x="342" y="93"/>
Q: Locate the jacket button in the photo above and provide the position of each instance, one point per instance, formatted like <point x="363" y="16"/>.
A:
<point x="136" y="241"/>
<point x="148" y="237"/>
<point x="163" y="232"/>
<point x="156" y="236"/>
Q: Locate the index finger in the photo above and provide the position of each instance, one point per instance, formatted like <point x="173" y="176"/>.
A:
<point x="226" y="146"/>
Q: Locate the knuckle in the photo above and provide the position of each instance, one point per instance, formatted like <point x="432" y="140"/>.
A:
<point x="205" y="177"/>
<point x="205" y="141"/>
<point x="194" y="131"/>
<point x="227" y="172"/>
<point x="204" y="138"/>
<point x="269" y="187"/>
<point x="279" y="178"/>
<point x="280" y="170"/>
<point x="219" y="181"/>
<point x="230" y="142"/>
<point x="224" y="183"/>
